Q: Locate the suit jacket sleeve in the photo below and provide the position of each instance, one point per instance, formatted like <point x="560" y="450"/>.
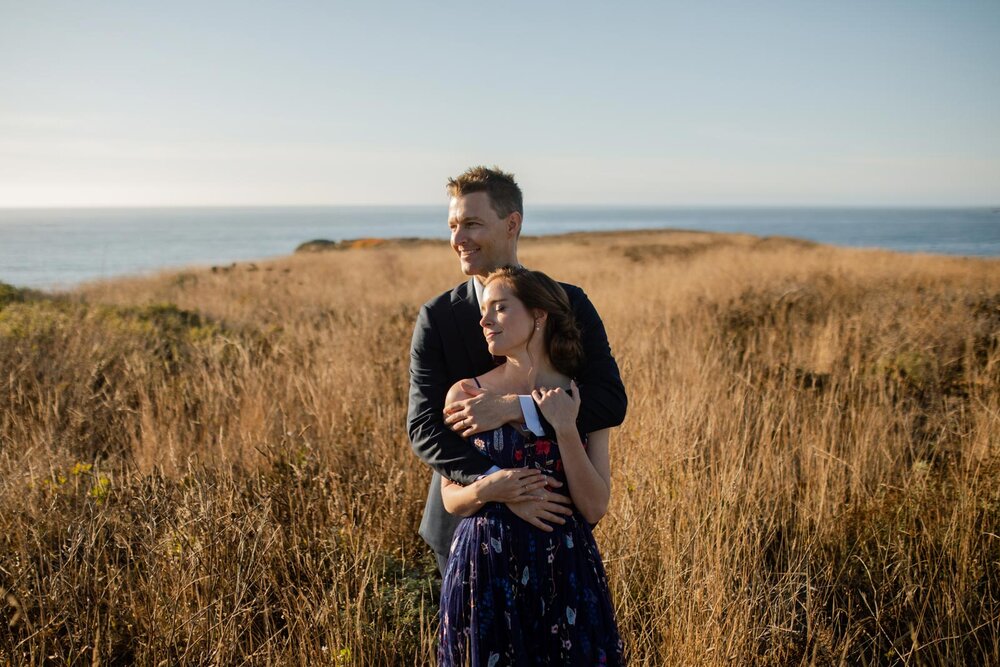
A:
<point x="432" y="441"/>
<point x="602" y="393"/>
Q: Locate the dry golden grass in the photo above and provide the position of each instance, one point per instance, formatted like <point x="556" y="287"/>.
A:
<point x="211" y="466"/>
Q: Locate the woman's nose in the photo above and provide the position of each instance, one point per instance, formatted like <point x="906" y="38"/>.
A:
<point x="485" y="320"/>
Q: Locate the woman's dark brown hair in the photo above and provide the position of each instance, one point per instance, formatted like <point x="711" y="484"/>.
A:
<point x="537" y="291"/>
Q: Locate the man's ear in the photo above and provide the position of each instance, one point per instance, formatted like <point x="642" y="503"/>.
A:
<point x="514" y="224"/>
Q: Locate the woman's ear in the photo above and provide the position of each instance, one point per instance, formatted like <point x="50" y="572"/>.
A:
<point x="540" y="318"/>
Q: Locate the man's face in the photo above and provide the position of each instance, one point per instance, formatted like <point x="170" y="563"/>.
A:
<point x="483" y="240"/>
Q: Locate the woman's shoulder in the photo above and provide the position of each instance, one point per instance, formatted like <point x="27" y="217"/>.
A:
<point x="458" y="392"/>
<point x="488" y="380"/>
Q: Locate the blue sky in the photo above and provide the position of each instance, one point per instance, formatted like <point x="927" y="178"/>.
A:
<point x="797" y="103"/>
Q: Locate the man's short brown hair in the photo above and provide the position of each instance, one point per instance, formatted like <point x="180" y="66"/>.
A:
<point x="499" y="186"/>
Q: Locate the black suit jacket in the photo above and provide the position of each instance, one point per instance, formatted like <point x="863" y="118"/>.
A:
<point x="448" y="345"/>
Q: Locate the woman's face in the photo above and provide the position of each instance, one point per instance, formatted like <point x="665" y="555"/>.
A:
<point x="506" y="322"/>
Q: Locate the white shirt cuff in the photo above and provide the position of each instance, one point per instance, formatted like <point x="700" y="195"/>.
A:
<point x="530" y="412"/>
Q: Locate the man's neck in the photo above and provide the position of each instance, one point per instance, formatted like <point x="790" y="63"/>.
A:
<point x="479" y="277"/>
<point x="477" y="281"/>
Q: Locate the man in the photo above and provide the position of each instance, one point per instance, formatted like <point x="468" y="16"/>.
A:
<point x="484" y="214"/>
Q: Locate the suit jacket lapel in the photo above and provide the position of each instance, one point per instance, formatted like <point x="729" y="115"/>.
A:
<point x="465" y="308"/>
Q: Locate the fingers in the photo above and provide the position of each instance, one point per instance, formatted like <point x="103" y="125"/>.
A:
<point x="553" y="497"/>
<point x="521" y="473"/>
<point x="530" y="475"/>
<point x="458" y="407"/>
<point x="541" y="525"/>
<point x="529" y="485"/>
<point x="464" y="427"/>
<point x="541" y="514"/>
<point x="471" y="389"/>
<point x="454" y="418"/>
<point x="541" y="393"/>
<point x="554" y="518"/>
<point x="530" y="489"/>
<point x="524" y="495"/>
<point x="458" y="417"/>
<point x="554" y="508"/>
<point x="520" y="485"/>
<point x="537" y="479"/>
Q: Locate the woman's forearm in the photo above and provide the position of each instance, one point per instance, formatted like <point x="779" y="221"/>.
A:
<point x="460" y="500"/>
<point x="587" y="488"/>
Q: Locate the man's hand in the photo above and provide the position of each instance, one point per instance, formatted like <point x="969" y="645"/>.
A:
<point x="484" y="411"/>
<point x="552" y="507"/>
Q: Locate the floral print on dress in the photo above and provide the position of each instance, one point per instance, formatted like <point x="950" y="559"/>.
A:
<point x="515" y="595"/>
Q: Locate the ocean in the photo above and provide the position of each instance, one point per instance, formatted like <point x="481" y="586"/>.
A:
<point x="57" y="248"/>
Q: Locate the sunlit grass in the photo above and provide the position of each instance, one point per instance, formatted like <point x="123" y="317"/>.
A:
<point x="212" y="466"/>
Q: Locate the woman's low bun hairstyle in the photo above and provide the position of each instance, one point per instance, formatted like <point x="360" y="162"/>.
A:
<point x="539" y="292"/>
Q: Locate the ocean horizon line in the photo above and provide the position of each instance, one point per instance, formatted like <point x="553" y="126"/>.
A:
<point x="43" y="247"/>
<point x="995" y="208"/>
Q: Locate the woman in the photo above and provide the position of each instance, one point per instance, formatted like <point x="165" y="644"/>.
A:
<point x="514" y="594"/>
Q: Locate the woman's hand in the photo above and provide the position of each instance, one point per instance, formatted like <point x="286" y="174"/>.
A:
<point x="512" y="485"/>
<point x="559" y="406"/>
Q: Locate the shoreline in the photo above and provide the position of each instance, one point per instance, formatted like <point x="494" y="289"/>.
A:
<point x="61" y="249"/>
<point x="321" y="246"/>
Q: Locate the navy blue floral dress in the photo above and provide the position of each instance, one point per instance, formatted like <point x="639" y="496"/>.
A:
<point x="515" y="595"/>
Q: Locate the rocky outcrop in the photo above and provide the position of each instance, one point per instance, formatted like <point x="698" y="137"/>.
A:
<point x="322" y="245"/>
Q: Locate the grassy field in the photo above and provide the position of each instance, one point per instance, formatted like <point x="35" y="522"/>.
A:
<point x="211" y="466"/>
